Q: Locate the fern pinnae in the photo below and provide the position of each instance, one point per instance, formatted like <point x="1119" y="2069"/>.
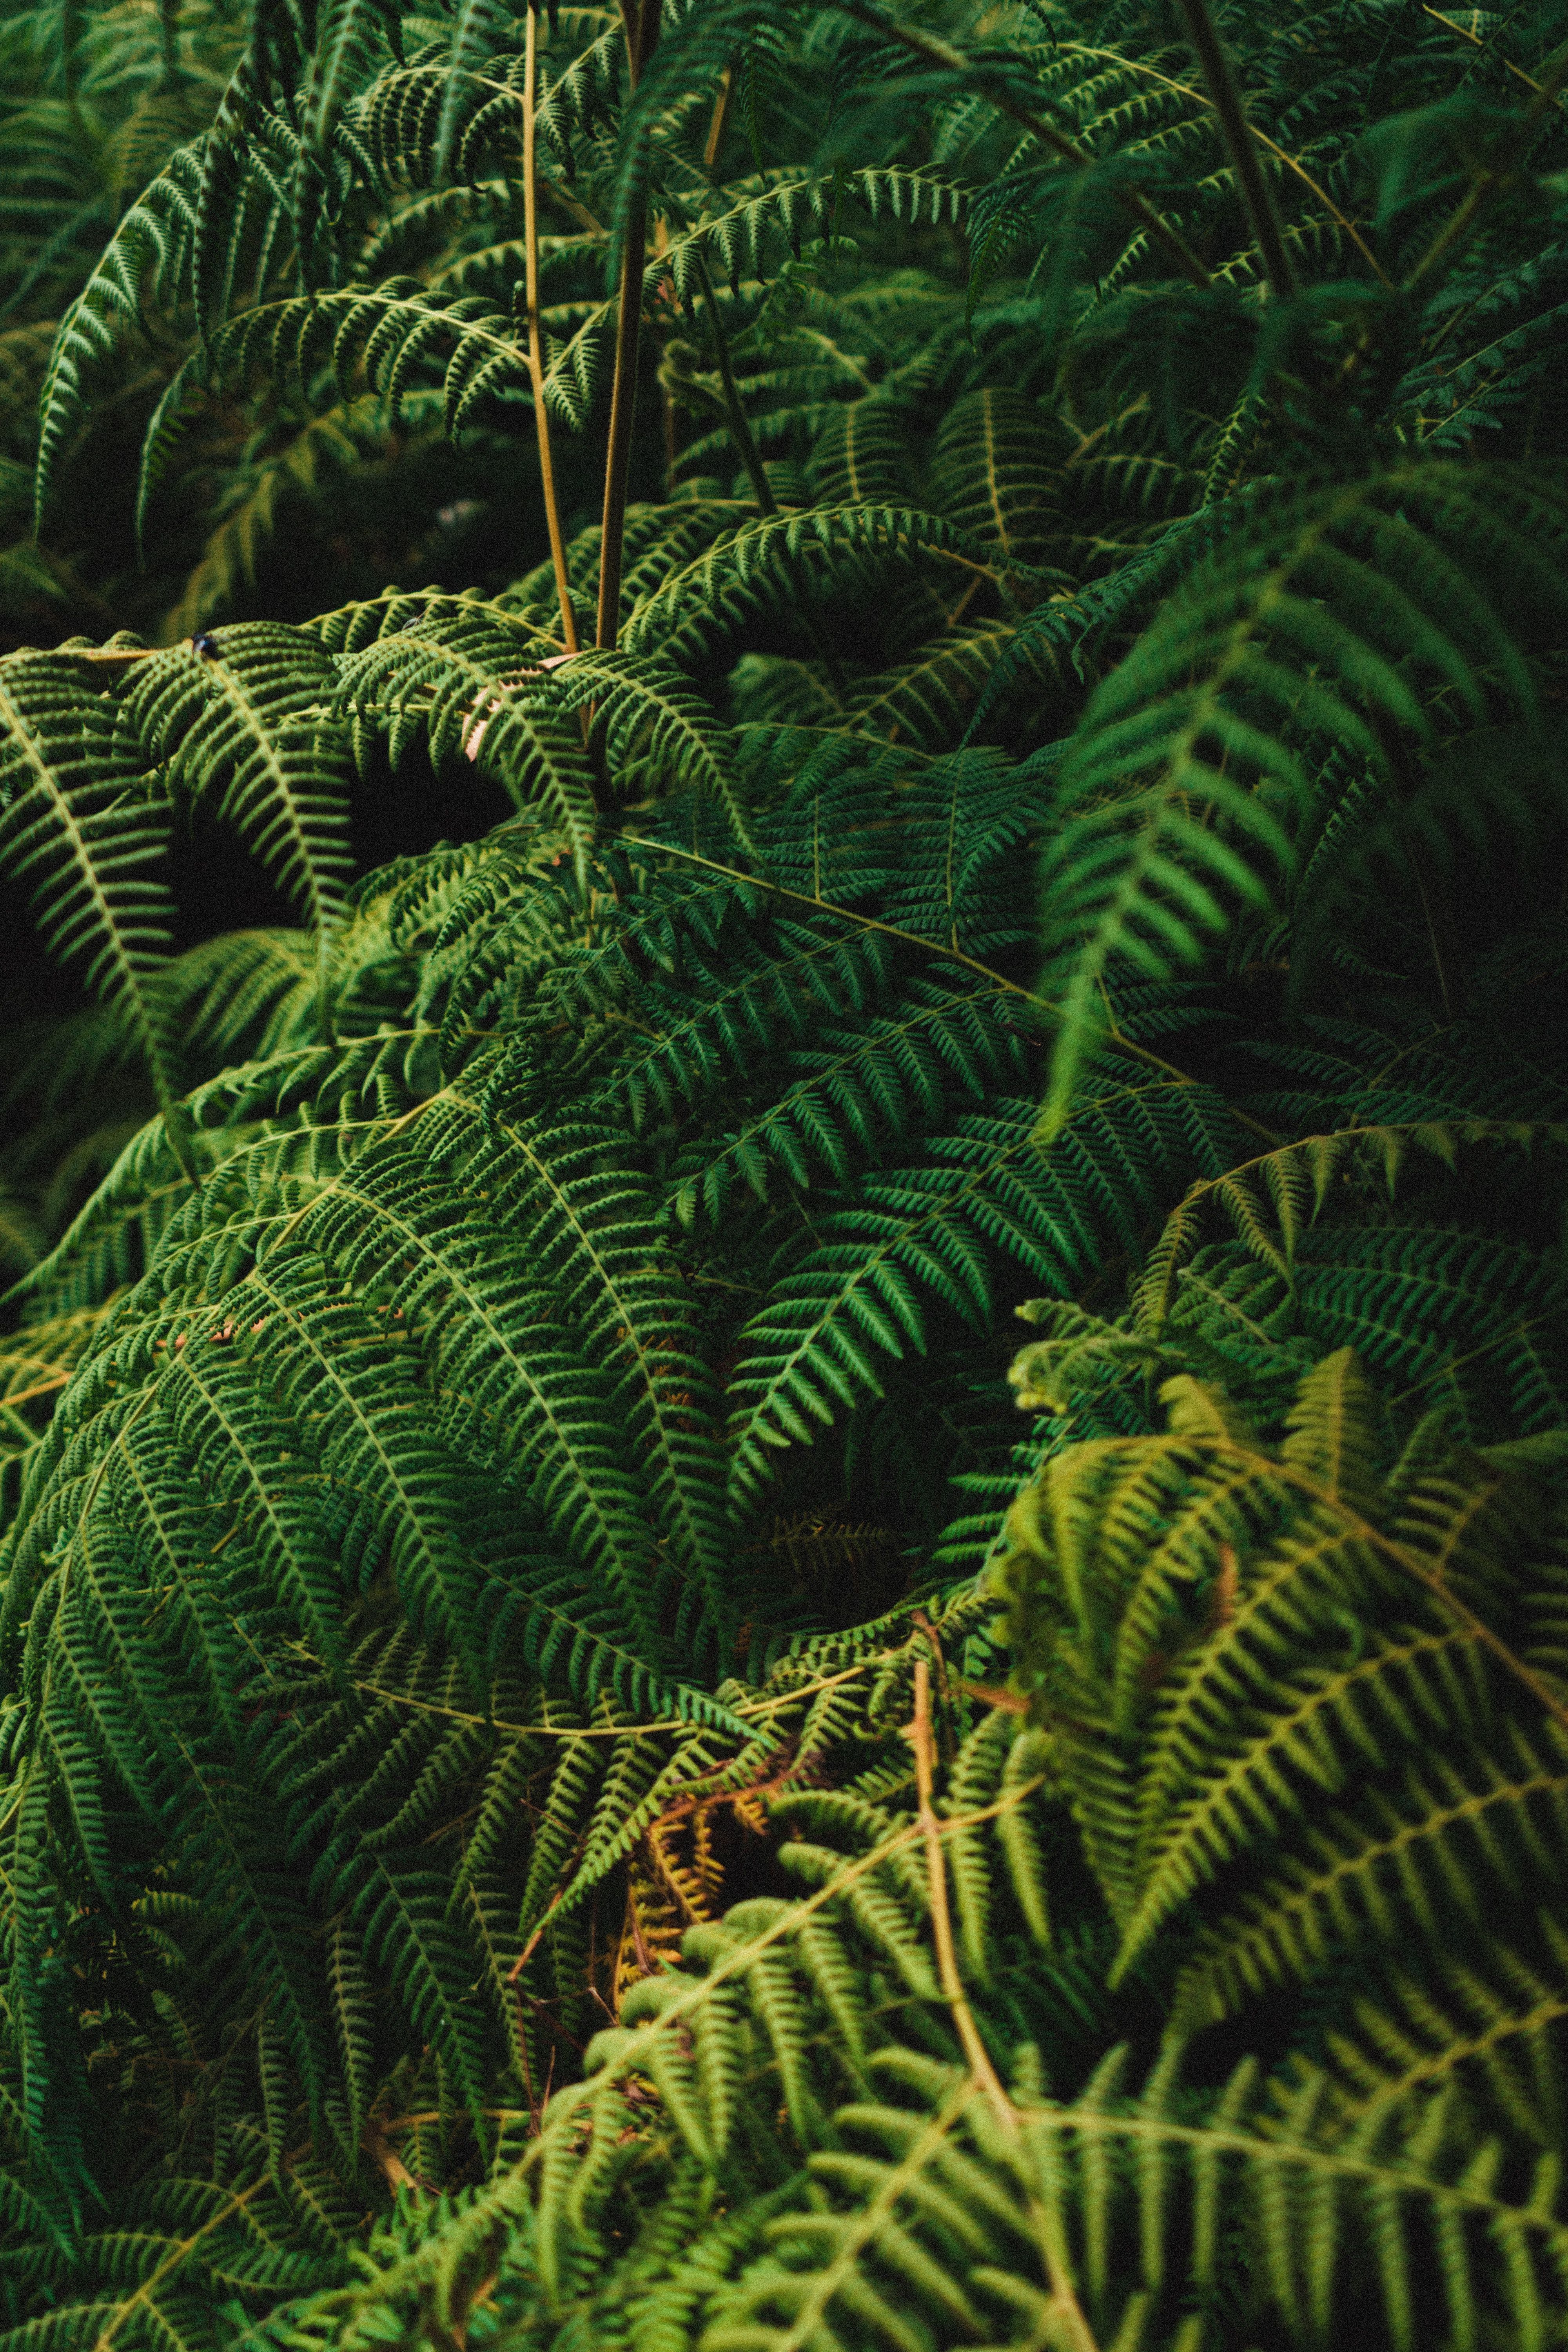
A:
<point x="437" y="1578"/>
<point x="471" y="690"/>
<point x="1371" y="1878"/>
<point x="976" y="1771"/>
<point x="1494" y="2024"/>
<point x="154" y="241"/>
<point x="213" y="1404"/>
<point x="400" y="1653"/>
<point x="878" y="1080"/>
<point x="250" y="713"/>
<point x="648" y="716"/>
<point x="1149" y="905"/>
<point x="72" y="801"/>
<point x="1305" y="1749"/>
<point x="598" y="1230"/>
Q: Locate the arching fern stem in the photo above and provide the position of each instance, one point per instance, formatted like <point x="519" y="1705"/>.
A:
<point x="642" y="36"/>
<point x="1115" y="1037"/>
<point x="1064" y="2305"/>
<point x="1257" y="197"/>
<point x="535" y="340"/>
<point x="1133" y="200"/>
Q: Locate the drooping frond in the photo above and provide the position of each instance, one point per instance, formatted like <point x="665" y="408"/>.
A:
<point x="82" y="834"/>
<point x="1347" y="616"/>
<point x="245" y="720"/>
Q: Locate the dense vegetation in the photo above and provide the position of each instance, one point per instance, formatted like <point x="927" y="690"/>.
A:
<point x="967" y="723"/>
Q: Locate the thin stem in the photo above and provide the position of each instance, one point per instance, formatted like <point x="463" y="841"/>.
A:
<point x="720" y="117"/>
<point x="181" y="2252"/>
<point x="1137" y="65"/>
<point x="630" y="28"/>
<point x="535" y="340"/>
<point x="642" y="33"/>
<point x="111" y="657"/>
<point x="571" y="203"/>
<point x="1489" y="182"/>
<point x="1116" y="1038"/>
<point x="746" y="449"/>
<point x="1257" y="195"/>
<point x="1480" y="42"/>
<point x="957" y="2000"/>
<point x="740" y="423"/>
<point x="1132" y="200"/>
<point x="618" y="448"/>
<point x="986" y="2079"/>
<point x="39" y="1389"/>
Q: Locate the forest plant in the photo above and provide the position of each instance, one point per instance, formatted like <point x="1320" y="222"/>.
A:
<point x="569" y="1775"/>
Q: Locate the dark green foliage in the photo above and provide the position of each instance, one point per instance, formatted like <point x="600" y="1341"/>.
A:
<point x="571" y="1773"/>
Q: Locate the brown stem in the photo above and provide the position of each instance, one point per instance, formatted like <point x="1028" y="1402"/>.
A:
<point x="571" y="203"/>
<point x="1477" y="41"/>
<point x="1117" y="1039"/>
<point x="618" y="448"/>
<point x="1067" y="2309"/>
<point x="1132" y="200"/>
<point x="631" y="28"/>
<point x="1489" y="183"/>
<point x="535" y="340"/>
<point x="1291" y="163"/>
<point x="640" y="40"/>
<point x="957" y="2000"/>
<point x="40" y="1387"/>
<point x="720" y="117"/>
<point x="1257" y="195"/>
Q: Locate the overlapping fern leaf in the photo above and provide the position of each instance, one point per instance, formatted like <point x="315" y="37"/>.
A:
<point x="572" y="1771"/>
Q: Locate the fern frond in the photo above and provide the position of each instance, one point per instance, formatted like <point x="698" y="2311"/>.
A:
<point x="987" y="1191"/>
<point x="149" y="254"/>
<point x="79" y="829"/>
<point x="386" y="337"/>
<point x="468" y="687"/>
<point x="1211" y="1707"/>
<point x="1336" y="617"/>
<point x="245" y="721"/>
<point x="654" y="727"/>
